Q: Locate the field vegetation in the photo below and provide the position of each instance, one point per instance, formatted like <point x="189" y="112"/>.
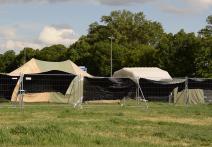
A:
<point x="162" y="124"/>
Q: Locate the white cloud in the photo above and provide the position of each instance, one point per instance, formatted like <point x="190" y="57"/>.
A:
<point x="18" y="45"/>
<point x="58" y="35"/>
<point x="49" y="35"/>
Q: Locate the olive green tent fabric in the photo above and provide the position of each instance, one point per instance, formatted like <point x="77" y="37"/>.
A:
<point x="37" y="66"/>
<point x="75" y="91"/>
<point x="189" y="96"/>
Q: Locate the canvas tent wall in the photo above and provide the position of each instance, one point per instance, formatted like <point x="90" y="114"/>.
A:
<point x="75" y="91"/>
<point x="188" y="96"/>
<point x="40" y="68"/>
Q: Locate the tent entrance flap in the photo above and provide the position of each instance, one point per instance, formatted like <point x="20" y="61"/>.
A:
<point x="75" y="91"/>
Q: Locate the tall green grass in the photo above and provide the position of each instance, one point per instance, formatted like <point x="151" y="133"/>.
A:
<point x="107" y="125"/>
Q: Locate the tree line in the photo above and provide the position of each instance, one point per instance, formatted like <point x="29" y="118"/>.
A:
<point x="138" y="42"/>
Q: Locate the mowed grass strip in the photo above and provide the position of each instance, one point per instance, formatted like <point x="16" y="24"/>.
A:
<point x="107" y="125"/>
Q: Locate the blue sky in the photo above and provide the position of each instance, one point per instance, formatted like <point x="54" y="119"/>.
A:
<point x="39" y="23"/>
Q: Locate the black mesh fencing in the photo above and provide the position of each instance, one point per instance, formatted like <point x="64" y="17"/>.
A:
<point x="164" y="90"/>
<point x="103" y="88"/>
<point x="160" y="90"/>
<point x="108" y="88"/>
<point x="52" y="81"/>
<point x="204" y="84"/>
<point x="7" y="85"/>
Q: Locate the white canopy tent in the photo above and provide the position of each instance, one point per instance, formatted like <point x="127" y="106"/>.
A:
<point x="150" y="73"/>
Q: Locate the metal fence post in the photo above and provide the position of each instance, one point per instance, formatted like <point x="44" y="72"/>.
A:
<point x="21" y="91"/>
<point x="186" y="90"/>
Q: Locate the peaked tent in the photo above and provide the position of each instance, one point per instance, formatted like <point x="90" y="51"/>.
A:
<point x="35" y="66"/>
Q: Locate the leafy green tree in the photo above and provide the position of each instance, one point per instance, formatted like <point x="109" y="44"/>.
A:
<point x="204" y="59"/>
<point x="128" y="27"/>
<point x="204" y="63"/>
<point x="25" y="55"/>
<point x="165" y="51"/>
<point x="207" y="31"/>
<point x="177" y="53"/>
<point x="52" y="53"/>
<point x="134" y="43"/>
<point x="185" y="50"/>
<point x="8" y="59"/>
<point x="79" y="52"/>
<point x="141" y="56"/>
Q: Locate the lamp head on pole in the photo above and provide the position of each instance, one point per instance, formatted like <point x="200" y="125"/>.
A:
<point x="111" y="37"/>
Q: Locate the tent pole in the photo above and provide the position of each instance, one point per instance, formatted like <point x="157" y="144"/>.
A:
<point x="140" y="90"/>
<point x="187" y="91"/>
<point x="138" y="96"/>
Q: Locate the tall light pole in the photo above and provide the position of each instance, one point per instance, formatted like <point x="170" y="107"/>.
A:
<point x="24" y="55"/>
<point x="111" y="55"/>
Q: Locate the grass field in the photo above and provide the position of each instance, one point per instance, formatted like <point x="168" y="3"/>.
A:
<point x="106" y="125"/>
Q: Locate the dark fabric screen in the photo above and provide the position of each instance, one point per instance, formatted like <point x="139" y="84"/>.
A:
<point x="205" y="84"/>
<point x="7" y="85"/>
<point x="108" y="88"/>
<point x="159" y="90"/>
<point x="52" y="81"/>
